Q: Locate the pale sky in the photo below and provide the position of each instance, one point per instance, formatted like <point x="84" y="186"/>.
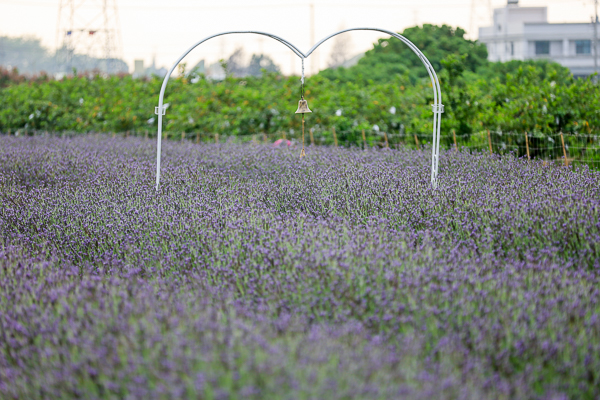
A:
<point x="166" y="28"/>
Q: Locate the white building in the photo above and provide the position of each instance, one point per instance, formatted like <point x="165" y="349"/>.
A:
<point x="523" y="33"/>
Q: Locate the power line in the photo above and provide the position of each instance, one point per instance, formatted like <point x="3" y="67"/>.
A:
<point x="595" y="22"/>
<point x="250" y="6"/>
<point x="278" y="5"/>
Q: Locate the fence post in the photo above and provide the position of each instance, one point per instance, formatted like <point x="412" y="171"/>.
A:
<point x="334" y="137"/>
<point x="490" y="140"/>
<point x="417" y="142"/>
<point x="364" y="139"/>
<point x="197" y="137"/>
<point x="387" y="145"/>
<point x="527" y="145"/>
<point x="182" y="135"/>
<point x="146" y="134"/>
<point x="454" y="136"/>
<point x="564" y="150"/>
<point x="216" y="138"/>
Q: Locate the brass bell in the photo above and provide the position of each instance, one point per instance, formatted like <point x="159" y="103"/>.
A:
<point x="303" y="107"/>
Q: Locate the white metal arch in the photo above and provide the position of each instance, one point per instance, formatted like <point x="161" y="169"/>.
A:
<point x="437" y="106"/>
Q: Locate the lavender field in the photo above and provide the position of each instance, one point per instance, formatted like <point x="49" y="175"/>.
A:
<point x="253" y="274"/>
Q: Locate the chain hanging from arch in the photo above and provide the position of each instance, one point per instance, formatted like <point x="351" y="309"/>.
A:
<point x="302" y="107"/>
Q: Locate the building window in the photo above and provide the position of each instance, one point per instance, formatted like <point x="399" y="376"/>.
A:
<point x="542" y="47"/>
<point x="583" y="47"/>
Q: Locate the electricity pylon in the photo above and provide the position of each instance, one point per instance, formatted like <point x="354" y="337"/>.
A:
<point x="88" y="36"/>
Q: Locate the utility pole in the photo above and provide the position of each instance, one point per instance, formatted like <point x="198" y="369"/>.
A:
<point x="474" y="14"/>
<point x="1" y="50"/>
<point x="472" y="18"/>
<point x="292" y="64"/>
<point x="595" y="22"/>
<point x="315" y="63"/>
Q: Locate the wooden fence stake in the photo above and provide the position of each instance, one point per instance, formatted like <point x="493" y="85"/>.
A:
<point x="216" y="138"/>
<point x="527" y="145"/>
<point x="455" y="144"/>
<point x="182" y="136"/>
<point x="312" y="139"/>
<point x="114" y="134"/>
<point x="417" y="142"/>
<point x="265" y="137"/>
<point x="562" y="139"/>
<point x="364" y="139"/>
<point x="197" y="137"/>
<point x="490" y="140"/>
<point x="146" y="134"/>
<point x="387" y="145"/>
<point x="334" y="137"/>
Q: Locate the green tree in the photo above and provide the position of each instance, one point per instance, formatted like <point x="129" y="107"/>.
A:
<point x="260" y="62"/>
<point x="460" y="98"/>
<point x="543" y="69"/>
<point x="27" y="54"/>
<point x="390" y="57"/>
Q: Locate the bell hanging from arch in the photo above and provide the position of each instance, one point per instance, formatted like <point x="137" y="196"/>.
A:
<point x="303" y="107"/>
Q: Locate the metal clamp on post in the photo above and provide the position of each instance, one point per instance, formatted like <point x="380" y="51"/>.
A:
<point x="157" y="111"/>
<point x="438" y="108"/>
